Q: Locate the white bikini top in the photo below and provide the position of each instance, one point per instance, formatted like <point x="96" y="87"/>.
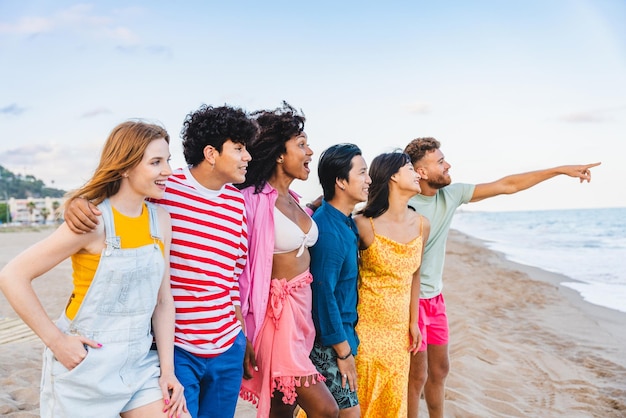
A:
<point x="289" y="237"/>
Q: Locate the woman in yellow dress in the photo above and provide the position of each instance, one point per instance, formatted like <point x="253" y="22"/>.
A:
<point x="391" y="242"/>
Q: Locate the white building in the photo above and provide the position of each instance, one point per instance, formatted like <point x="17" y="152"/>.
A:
<point x="33" y="210"/>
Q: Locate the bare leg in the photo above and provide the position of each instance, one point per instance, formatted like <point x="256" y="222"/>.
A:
<point x="280" y="409"/>
<point x="434" y="389"/>
<point x="352" y="412"/>
<point x="151" y="410"/>
<point x="317" y="401"/>
<point x="417" y="378"/>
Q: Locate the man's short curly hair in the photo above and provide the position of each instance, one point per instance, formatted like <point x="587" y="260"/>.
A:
<point x="419" y="147"/>
<point x="213" y="126"/>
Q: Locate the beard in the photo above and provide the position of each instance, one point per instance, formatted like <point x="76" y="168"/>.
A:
<point x="439" y="182"/>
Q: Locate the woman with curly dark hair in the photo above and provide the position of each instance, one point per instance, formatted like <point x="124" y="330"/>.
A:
<point x="275" y="285"/>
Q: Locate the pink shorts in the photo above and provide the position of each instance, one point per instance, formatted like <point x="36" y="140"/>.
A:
<point x="433" y="322"/>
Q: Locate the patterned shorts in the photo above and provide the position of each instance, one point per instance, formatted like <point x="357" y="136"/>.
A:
<point x="325" y="360"/>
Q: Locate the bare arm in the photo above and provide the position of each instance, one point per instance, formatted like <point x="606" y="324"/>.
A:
<point x="16" y="283"/>
<point x="81" y="216"/>
<point x="366" y="234"/>
<point x="163" y="327"/>
<point x="249" y="359"/>
<point x="518" y="182"/>
<point x="414" y="307"/>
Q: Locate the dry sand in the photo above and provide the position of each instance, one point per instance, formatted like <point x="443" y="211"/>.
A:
<point x="521" y="344"/>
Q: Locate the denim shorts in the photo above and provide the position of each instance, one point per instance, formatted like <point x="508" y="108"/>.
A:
<point x="105" y="383"/>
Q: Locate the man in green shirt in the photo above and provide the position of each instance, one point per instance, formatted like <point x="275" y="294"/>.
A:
<point x="438" y="201"/>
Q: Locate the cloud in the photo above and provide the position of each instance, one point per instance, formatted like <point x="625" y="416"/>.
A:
<point x="592" y="116"/>
<point x="152" y="50"/>
<point x="66" y="166"/>
<point x="122" y="34"/>
<point x="583" y="117"/>
<point x="418" y="108"/>
<point x="27" y="26"/>
<point x="12" y="109"/>
<point x="159" y="50"/>
<point x="79" y="19"/>
<point x="95" y="112"/>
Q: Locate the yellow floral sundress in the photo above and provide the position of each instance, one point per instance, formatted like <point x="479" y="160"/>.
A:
<point x="383" y="361"/>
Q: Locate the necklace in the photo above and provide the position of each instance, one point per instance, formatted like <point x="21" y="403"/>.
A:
<point x="288" y="198"/>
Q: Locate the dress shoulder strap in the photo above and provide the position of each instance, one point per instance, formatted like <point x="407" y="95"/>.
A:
<point x="372" y="223"/>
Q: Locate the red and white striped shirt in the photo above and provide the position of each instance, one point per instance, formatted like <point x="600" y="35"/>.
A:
<point x="208" y="253"/>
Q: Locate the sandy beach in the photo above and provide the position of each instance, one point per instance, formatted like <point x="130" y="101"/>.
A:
<point x="521" y="344"/>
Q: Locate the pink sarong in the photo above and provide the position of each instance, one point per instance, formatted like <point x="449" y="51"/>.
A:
<point x="283" y="345"/>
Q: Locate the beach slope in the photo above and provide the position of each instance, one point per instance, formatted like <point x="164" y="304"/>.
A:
<point x="521" y="344"/>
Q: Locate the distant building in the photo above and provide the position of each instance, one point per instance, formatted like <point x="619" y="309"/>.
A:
<point x="35" y="210"/>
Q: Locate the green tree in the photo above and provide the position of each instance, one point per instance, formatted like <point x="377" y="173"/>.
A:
<point x="5" y="216"/>
<point x="23" y="186"/>
<point x="44" y="212"/>
<point x="55" y="209"/>
<point x="31" y="209"/>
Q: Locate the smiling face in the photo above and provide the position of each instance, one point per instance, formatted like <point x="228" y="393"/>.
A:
<point x="408" y="179"/>
<point x="231" y="164"/>
<point x="434" y="169"/>
<point x="297" y="157"/>
<point x="148" y="177"/>
<point x="358" y="183"/>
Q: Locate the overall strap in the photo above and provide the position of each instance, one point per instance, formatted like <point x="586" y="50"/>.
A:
<point x="154" y="222"/>
<point x="112" y="241"/>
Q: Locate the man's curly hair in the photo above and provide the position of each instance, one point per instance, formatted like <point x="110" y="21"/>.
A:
<point x="419" y="147"/>
<point x="275" y="128"/>
<point x="213" y="126"/>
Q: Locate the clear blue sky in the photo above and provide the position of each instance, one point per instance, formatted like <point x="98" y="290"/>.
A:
<point x="506" y="86"/>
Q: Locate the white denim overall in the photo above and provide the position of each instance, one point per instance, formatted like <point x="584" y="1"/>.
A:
<point x="116" y="312"/>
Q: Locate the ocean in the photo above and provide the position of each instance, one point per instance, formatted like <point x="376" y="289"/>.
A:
<point x="587" y="245"/>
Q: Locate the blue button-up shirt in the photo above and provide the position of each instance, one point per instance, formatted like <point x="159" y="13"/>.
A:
<point x="334" y="266"/>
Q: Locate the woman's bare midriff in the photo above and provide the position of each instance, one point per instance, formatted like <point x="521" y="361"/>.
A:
<point x="287" y="265"/>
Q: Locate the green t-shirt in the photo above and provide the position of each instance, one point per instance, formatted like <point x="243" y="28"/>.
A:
<point x="439" y="210"/>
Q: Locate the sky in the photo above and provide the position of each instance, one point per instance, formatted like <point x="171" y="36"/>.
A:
<point x="505" y="86"/>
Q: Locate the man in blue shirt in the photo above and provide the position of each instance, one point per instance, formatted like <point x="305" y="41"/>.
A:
<point x="334" y="265"/>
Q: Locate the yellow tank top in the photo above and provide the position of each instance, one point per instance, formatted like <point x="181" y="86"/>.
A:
<point x="133" y="233"/>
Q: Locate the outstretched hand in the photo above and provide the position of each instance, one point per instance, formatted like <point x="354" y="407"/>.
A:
<point x="583" y="172"/>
